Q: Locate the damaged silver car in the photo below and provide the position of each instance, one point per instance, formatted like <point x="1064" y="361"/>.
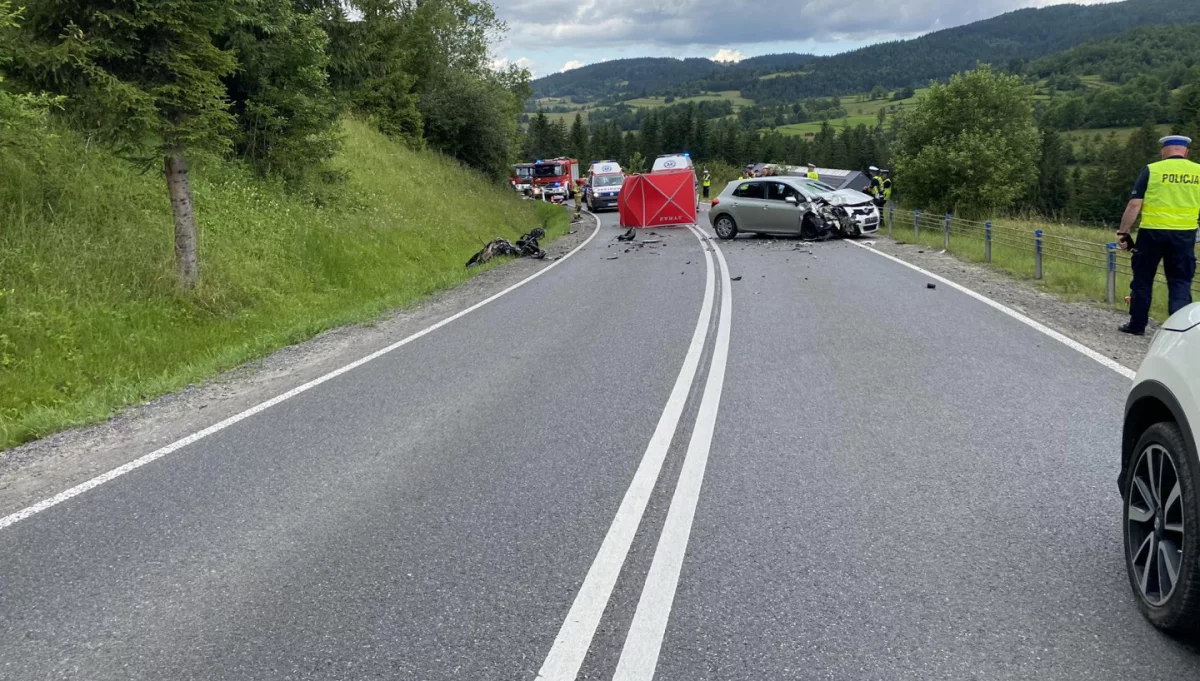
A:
<point x="792" y="206"/>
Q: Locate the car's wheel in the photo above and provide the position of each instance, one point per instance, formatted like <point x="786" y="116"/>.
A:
<point x="1162" y="530"/>
<point x="808" y="229"/>
<point x="725" y="227"/>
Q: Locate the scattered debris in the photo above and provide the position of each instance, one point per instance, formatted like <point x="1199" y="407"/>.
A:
<point x="611" y="257"/>
<point x="651" y="241"/>
<point x="735" y="279"/>
<point x="942" y="252"/>
<point x="930" y="286"/>
<point x="628" y="236"/>
<point x="868" y="243"/>
<point x="920" y="251"/>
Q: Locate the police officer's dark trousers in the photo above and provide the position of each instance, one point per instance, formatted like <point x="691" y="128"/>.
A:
<point x="1176" y="249"/>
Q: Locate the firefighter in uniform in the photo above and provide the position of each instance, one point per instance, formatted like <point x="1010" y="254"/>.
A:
<point x="577" y="194"/>
<point x="1167" y="195"/>
<point x="707" y="184"/>
<point x="812" y="172"/>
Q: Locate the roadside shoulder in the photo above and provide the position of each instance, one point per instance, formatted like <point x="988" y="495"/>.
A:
<point x="1085" y="322"/>
<point x="42" y="468"/>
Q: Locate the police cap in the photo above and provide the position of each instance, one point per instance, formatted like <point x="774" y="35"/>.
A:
<point x="1176" y="141"/>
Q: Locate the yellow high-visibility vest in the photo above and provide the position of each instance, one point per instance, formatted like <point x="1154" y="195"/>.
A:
<point x="814" y="175"/>
<point x="707" y="182"/>
<point x="1173" y="196"/>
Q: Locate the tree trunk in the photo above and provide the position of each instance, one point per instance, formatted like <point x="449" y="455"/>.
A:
<point x="187" y="264"/>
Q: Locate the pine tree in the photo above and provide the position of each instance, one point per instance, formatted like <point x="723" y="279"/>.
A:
<point x="157" y="100"/>
<point x="577" y="146"/>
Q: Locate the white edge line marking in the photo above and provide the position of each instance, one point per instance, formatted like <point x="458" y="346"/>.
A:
<point x="575" y="637"/>
<point x="1070" y="343"/>
<point x="639" y="657"/>
<point x="217" y="427"/>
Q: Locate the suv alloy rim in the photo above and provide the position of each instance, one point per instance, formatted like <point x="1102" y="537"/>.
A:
<point x="1154" y="519"/>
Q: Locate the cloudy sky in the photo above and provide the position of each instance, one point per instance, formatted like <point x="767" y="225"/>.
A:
<point x="549" y="36"/>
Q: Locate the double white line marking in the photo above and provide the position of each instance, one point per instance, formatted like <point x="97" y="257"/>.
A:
<point x="644" y="641"/>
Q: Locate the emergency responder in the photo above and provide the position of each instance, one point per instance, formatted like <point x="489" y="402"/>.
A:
<point x="876" y="187"/>
<point x="577" y="194"/>
<point x="812" y="172"/>
<point x="1167" y="195"/>
<point x="886" y="185"/>
<point x="707" y="183"/>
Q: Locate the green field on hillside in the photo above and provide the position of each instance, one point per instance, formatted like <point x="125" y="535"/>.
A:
<point x="1083" y="138"/>
<point x="837" y="123"/>
<point x="865" y="112"/>
<point x="91" y="319"/>
<point x="782" y="74"/>
<point x="734" y="97"/>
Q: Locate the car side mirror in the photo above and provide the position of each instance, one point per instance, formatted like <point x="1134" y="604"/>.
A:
<point x="793" y="200"/>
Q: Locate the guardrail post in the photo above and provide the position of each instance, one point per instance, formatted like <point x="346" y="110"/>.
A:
<point x="1112" y="274"/>
<point x="891" y="218"/>
<point x="1037" y="257"/>
<point x="946" y="232"/>
<point x="916" y="226"/>
<point x="987" y="241"/>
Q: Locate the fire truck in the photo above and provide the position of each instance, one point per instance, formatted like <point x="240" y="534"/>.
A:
<point x="552" y="178"/>
<point x="520" y="179"/>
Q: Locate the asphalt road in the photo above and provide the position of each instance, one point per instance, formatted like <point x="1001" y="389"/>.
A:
<point x="867" y="479"/>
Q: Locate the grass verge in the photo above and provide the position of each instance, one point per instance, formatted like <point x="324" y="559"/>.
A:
<point x="91" y="320"/>
<point x="1074" y="265"/>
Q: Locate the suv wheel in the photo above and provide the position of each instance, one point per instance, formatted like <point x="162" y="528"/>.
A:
<point x="725" y="227"/>
<point x="1162" y="528"/>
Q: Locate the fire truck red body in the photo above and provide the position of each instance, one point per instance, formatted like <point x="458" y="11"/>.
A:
<point x="552" y="178"/>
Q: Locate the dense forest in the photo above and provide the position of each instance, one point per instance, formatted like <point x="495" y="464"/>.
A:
<point x="720" y="142"/>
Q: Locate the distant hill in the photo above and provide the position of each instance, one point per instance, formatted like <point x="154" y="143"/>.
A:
<point x="1013" y="37"/>
<point x="635" y="77"/>
<point x="1168" y="52"/>
<point x="1009" y="40"/>
<point x="632" y="78"/>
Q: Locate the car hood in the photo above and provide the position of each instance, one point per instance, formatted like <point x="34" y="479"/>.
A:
<point x="845" y="197"/>
<point x="1184" y="320"/>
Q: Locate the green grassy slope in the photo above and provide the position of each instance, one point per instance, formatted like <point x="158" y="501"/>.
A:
<point x="90" y="318"/>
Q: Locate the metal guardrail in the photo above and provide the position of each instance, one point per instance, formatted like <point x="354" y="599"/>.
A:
<point x="1104" y="257"/>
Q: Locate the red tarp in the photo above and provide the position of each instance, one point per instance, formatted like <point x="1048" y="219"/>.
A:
<point x="658" y="199"/>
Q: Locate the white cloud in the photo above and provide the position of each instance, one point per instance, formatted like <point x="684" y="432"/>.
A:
<point x="502" y="63"/>
<point x="573" y="64"/>
<point x="727" y="55"/>
<point x="691" y="24"/>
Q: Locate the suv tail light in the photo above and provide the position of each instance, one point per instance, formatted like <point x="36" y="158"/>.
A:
<point x="716" y="202"/>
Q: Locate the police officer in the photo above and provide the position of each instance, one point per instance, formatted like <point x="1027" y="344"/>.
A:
<point x="885" y="185"/>
<point x="1167" y="195"/>
<point x="707" y="183"/>
<point x="876" y="187"/>
<point x="812" y="172"/>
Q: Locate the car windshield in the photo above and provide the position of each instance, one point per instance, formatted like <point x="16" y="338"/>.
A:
<point x="548" y="170"/>
<point x="607" y="181"/>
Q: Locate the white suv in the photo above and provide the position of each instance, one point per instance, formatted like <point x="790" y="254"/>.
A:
<point x="1160" y="477"/>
